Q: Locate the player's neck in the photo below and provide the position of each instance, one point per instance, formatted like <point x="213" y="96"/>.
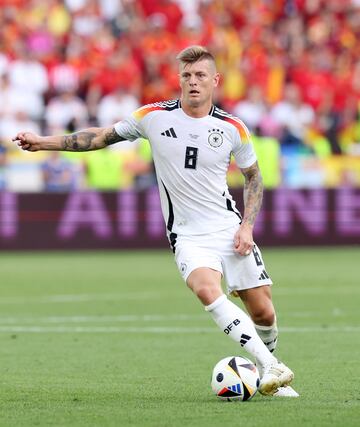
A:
<point x="196" y="111"/>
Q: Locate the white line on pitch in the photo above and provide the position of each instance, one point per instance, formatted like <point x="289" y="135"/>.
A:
<point x="159" y="330"/>
<point x="103" y="319"/>
<point x="123" y="318"/>
<point x="69" y="298"/>
<point x="334" y="290"/>
<point x="73" y="298"/>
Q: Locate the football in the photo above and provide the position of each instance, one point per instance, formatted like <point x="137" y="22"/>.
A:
<point x="235" y="378"/>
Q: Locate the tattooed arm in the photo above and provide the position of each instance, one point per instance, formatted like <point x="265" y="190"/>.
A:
<point x="84" y="140"/>
<point x="253" y="192"/>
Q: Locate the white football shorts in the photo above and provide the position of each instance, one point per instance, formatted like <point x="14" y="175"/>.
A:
<point x="216" y="251"/>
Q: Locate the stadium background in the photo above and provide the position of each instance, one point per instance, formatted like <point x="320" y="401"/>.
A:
<point x="114" y="338"/>
<point x="290" y="70"/>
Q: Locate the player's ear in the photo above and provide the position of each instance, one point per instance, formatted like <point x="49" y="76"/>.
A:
<point x="216" y="79"/>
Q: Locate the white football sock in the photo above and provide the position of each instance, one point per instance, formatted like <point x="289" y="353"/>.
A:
<point x="269" y="335"/>
<point x="238" y="326"/>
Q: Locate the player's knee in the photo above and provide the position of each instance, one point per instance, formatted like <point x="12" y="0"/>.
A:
<point x="200" y="289"/>
<point x="205" y="291"/>
<point x="264" y="316"/>
<point x="206" y="284"/>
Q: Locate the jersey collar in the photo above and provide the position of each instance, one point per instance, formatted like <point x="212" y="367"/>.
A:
<point x="210" y="113"/>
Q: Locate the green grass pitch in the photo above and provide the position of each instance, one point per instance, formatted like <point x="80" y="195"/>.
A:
<point x="116" y="339"/>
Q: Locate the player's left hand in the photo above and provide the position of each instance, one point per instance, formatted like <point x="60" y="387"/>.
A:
<point x="243" y="240"/>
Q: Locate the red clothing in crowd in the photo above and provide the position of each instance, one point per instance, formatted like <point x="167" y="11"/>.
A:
<point x="169" y="9"/>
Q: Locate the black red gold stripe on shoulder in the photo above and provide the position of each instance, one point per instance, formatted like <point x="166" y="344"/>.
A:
<point x="143" y="111"/>
<point x="244" y="133"/>
<point x="165" y="106"/>
<point x="240" y="126"/>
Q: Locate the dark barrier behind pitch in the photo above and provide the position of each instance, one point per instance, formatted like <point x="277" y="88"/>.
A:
<point x="133" y="220"/>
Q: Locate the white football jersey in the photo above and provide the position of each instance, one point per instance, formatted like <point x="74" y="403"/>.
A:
<point x="191" y="157"/>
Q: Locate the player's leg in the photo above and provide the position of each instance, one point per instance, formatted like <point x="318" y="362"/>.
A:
<point x="246" y="276"/>
<point x="259" y="305"/>
<point x="201" y="266"/>
<point x="206" y="285"/>
<point x="248" y="279"/>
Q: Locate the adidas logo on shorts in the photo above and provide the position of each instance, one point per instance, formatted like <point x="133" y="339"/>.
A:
<point x="263" y="275"/>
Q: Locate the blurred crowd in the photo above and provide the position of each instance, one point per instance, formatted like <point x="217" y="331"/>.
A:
<point x="290" y="70"/>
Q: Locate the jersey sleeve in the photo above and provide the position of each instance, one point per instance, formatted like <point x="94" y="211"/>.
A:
<point x="134" y="127"/>
<point x="243" y="149"/>
<point x="130" y="128"/>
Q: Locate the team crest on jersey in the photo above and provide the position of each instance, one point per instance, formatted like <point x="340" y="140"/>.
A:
<point x="215" y="138"/>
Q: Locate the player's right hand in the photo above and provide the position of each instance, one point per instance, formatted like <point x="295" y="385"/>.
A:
<point x="243" y="239"/>
<point x="28" y="141"/>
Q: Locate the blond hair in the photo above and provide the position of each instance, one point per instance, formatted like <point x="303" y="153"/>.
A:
<point x="193" y="54"/>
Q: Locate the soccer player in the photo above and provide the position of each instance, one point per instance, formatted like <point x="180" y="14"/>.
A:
<point x="192" y="141"/>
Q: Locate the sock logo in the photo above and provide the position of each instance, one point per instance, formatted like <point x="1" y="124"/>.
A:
<point x="229" y="327"/>
<point x="271" y="345"/>
<point x="244" y="339"/>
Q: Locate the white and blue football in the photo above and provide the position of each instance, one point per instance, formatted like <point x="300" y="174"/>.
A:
<point x="235" y="378"/>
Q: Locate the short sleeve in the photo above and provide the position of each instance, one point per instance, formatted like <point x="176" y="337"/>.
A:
<point x="243" y="149"/>
<point x="130" y="128"/>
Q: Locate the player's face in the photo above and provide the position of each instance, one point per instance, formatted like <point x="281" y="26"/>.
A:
<point x="197" y="82"/>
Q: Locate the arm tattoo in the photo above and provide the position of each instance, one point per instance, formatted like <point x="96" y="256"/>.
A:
<point x="79" y="141"/>
<point x="112" y="137"/>
<point x="253" y="192"/>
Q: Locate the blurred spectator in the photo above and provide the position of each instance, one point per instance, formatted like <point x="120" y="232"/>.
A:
<point x="158" y="43"/>
<point x="11" y="124"/>
<point x="87" y="18"/>
<point x="75" y="54"/>
<point x="66" y="112"/>
<point x="142" y="166"/>
<point x="313" y="77"/>
<point x="349" y="135"/>
<point x="191" y="32"/>
<point x="251" y="109"/>
<point x="189" y="8"/>
<point x="294" y="116"/>
<point x="129" y="22"/>
<point x="63" y="76"/>
<point x="14" y="100"/>
<point x="269" y="157"/>
<point x="58" y="173"/>
<point x="156" y="90"/>
<point x="75" y="5"/>
<point x="119" y="70"/>
<point x="116" y="106"/>
<point x="328" y="123"/>
<point x="168" y="9"/>
<point x="105" y="170"/>
<point x="27" y="74"/>
<point x="109" y="9"/>
<point x="58" y="18"/>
